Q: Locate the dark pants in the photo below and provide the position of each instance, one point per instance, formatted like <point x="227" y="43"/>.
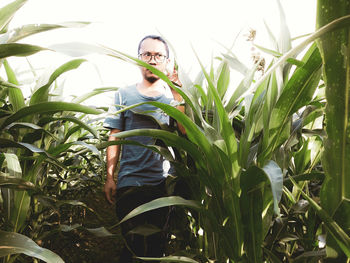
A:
<point x="142" y="244"/>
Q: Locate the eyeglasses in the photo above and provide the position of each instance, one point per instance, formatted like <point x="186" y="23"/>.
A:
<point x="147" y="57"/>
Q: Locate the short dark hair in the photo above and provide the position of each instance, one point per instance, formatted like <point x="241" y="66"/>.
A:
<point x="156" y="38"/>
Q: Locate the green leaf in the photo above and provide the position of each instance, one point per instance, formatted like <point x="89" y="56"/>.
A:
<point x="275" y="176"/>
<point x="79" y="49"/>
<point x="98" y="232"/>
<point x="170" y="259"/>
<point x="28" y="125"/>
<point x="340" y="236"/>
<point x="48" y="107"/>
<point x="235" y="64"/>
<point x="16" y="183"/>
<point x="8" y="85"/>
<point x="15" y="95"/>
<point x="145" y="230"/>
<point x="20" y="210"/>
<point x="336" y="24"/>
<point x="89" y="146"/>
<point x="28" y="30"/>
<point x="284" y="42"/>
<point x="243" y="88"/>
<point x="42" y="94"/>
<point x="295" y="62"/>
<point x="161" y="202"/>
<point x="13" y="165"/>
<point x="226" y="129"/>
<point x="19" y="50"/>
<point x="298" y="92"/>
<point x="7" y="13"/>
<point x="224" y="79"/>
<point x="80" y="123"/>
<point x="251" y="202"/>
<point x="269" y="51"/>
<point x="14" y="243"/>
<point x="6" y="143"/>
<point x="95" y="92"/>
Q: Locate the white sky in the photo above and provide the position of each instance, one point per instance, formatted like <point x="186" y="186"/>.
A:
<point x="121" y="24"/>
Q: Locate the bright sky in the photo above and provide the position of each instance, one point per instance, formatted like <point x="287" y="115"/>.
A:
<point x="120" y="25"/>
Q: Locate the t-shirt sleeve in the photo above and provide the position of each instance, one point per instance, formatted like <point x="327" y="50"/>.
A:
<point x="113" y="119"/>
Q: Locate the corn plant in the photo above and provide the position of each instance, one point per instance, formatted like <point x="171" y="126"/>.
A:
<point x="335" y="194"/>
<point x="236" y="174"/>
<point x="39" y="139"/>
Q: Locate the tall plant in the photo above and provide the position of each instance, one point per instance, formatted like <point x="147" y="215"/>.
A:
<point x="230" y="176"/>
<point x="237" y="172"/>
<point x="37" y="137"/>
<point x="335" y="194"/>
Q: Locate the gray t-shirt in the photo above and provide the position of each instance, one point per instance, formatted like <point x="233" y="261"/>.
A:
<point x="138" y="165"/>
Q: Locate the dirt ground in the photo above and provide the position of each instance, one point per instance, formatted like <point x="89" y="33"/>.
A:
<point x="81" y="246"/>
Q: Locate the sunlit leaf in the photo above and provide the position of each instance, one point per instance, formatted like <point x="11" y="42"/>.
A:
<point x="158" y="203"/>
<point x="80" y="99"/>
<point x="15" y="95"/>
<point x="18" y="50"/>
<point x="48" y="107"/>
<point x="14" y="243"/>
<point x="8" y="11"/>
<point x="28" y="30"/>
<point x="42" y="94"/>
<point x="13" y="165"/>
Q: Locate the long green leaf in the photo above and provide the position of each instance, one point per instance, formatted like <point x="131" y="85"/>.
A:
<point x="48" y="107"/>
<point x="42" y="94"/>
<point x="19" y="50"/>
<point x="6" y="84"/>
<point x="98" y="232"/>
<point x="95" y="92"/>
<point x="13" y="165"/>
<point x="169" y="138"/>
<point x="227" y="131"/>
<point x="15" y="95"/>
<point x="235" y="64"/>
<point x="297" y="93"/>
<point x="81" y="123"/>
<point x="161" y="202"/>
<point x="20" y="210"/>
<point x="28" y="125"/>
<point x="21" y="199"/>
<point x="224" y="79"/>
<point x="7" y="13"/>
<point x="251" y="201"/>
<point x="28" y="30"/>
<point x="14" y="243"/>
<point x="170" y="259"/>
<point x="336" y="24"/>
<point x="16" y="183"/>
<point x="275" y="177"/>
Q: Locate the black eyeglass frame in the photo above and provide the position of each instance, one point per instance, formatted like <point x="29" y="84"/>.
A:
<point x="153" y="56"/>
